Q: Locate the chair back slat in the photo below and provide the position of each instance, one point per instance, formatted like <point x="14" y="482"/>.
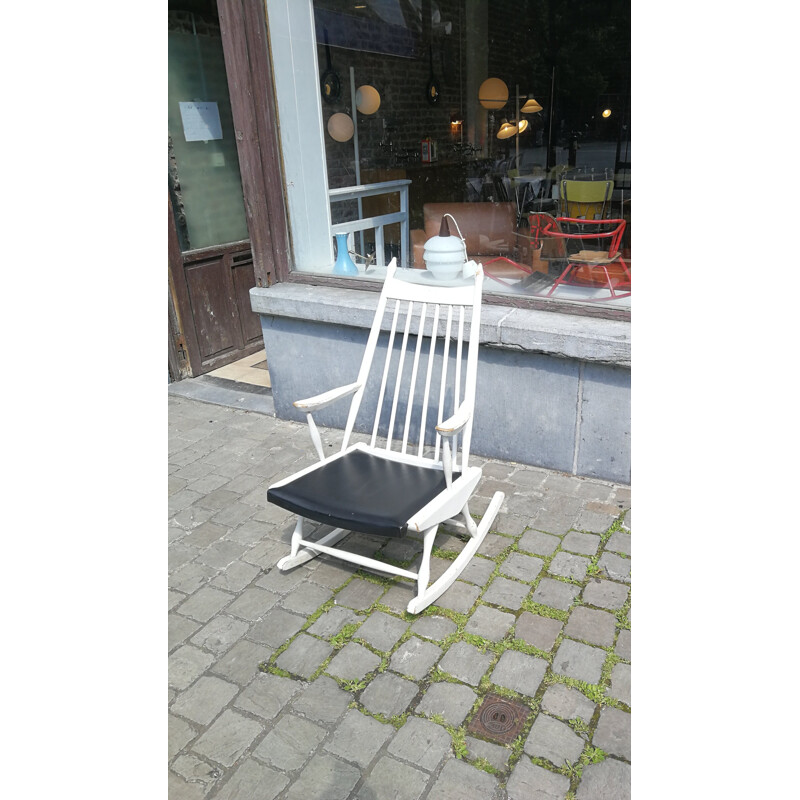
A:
<point x="430" y="364"/>
<point x="412" y="384"/>
<point x="428" y="375"/>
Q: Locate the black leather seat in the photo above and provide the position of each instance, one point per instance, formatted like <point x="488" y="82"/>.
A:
<point x="361" y="492"/>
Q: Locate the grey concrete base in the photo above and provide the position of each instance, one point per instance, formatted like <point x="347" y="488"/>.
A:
<point x="553" y="389"/>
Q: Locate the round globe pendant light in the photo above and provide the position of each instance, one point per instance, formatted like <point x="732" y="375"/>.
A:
<point x="368" y="100"/>
<point x="341" y="127"/>
<point x="493" y="93"/>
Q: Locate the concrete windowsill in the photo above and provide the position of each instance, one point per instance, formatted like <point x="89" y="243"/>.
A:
<point x="560" y="335"/>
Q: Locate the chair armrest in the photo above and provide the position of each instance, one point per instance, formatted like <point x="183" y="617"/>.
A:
<point x="319" y="401"/>
<point x="453" y="425"/>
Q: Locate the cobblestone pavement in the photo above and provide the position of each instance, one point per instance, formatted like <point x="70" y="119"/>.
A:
<point x="316" y="684"/>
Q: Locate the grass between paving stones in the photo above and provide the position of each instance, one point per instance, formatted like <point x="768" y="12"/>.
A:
<point x="594" y="692"/>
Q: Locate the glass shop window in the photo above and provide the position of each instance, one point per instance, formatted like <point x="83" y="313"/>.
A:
<point x="511" y="116"/>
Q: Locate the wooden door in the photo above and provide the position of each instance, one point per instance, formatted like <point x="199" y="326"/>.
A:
<point x="210" y="285"/>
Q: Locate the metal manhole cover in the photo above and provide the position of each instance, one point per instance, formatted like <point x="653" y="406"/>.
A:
<point x="499" y="719"/>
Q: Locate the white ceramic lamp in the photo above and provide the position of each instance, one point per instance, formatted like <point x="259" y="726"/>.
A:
<point x="445" y="254"/>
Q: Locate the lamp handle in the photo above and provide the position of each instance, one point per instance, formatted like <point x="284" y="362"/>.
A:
<point x="463" y="241"/>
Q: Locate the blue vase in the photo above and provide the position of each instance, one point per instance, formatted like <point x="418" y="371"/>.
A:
<point x="344" y="264"/>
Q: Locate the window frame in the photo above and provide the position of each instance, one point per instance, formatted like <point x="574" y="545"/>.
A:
<point x="300" y="135"/>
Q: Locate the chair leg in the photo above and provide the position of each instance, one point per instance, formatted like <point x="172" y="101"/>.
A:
<point x="297" y="556"/>
<point x="427" y="594"/>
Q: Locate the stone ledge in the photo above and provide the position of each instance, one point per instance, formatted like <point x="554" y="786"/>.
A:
<point x="526" y="330"/>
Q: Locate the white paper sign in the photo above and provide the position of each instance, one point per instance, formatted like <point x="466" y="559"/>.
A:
<point x="200" y="122"/>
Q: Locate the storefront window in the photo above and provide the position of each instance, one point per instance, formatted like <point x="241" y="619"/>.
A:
<point x="511" y="116"/>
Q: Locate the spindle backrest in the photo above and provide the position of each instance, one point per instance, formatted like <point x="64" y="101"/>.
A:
<point x="420" y="364"/>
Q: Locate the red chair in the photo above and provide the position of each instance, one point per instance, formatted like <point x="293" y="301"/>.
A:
<point x="599" y="267"/>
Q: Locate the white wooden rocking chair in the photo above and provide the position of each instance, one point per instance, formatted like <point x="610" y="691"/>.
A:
<point x="426" y="480"/>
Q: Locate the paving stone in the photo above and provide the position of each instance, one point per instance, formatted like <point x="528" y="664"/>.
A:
<point x="490" y="623"/>
<point x="461" y="781"/>
<point x="179" y="629"/>
<point x="236" y="577"/>
<point x="538" y="542"/>
<point x="332" y="621"/>
<point x="336" y="776"/>
<point x="332" y="574"/>
<point x="206" y="534"/>
<point x="494" y="544"/>
<point x="282" y="582"/>
<point x="434" y="627"/>
<point x="452" y="700"/>
<point x="227" y="739"/>
<point x="252" y="780"/>
<point x="422" y="742"/>
<point x="580" y="661"/>
<point x="241" y="662"/>
<point x="196" y="771"/>
<point x="590" y="625"/>
<point x="220" y="634"/>
<point x="359" y="594"/>
<point x="615" y="567"/>
<point x="306" y="598"/>
<point x="391" y="779"/>
<point x="478" y="571"/>
<point x="275" y="627"/>
<point x="382" y="630"/>
<point x="567" y="702"/>
<point x="358" y="738"/>
<point x="466" y="662"/>
<point x="190" y="577"/>
<point x="460" y="597"/>
<point x="252" y="604"/>
<point x="202" y="701"/>
<point x="388" y="694"/>
<point x="304" y="655"/>
<point x="402" y="549"/>
<point x="414" y="658"/>
<point x="495" y="754"/>
<point x="594" y="521"/>
<point x="608" y="780"/>
<point x="399" y="596"/>
<point x="532" y="782"/>
<point x="322" y="701"/>
<point x="585" y="543"/>
<point x="180" y="733"/>
<point x="522" y="567"/>
<point x="605" y="594"/>
<point x="180" y="789"/>
<point x="205" y="603"/>
<point x="568" y="565"/>
<point x="220" y="554"/>
<point x="623" y="648"/>
<point x="619" y="542"/>
<point x="187" y="664"/>
<point x="290" y="743"/>
<point x="558" y="517"/>
<point x="267" y="695"/>
<point x="553" y="740"/>
<point x="620" y="688"/>
<point x="506" y="593"/>
<point x="519" y="671"/>
<point x="555" y="594"/>
<point x="353" y="662"/>
<point x="541" y="632"/>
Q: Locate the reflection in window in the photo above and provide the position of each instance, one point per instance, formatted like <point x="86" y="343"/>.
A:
<point x="511" y="116"/>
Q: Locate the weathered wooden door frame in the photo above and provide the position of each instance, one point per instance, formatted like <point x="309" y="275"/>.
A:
<point x="249" y="73"/>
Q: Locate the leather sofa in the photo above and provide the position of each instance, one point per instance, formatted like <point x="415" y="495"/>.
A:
<point x="489" y="229"/>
